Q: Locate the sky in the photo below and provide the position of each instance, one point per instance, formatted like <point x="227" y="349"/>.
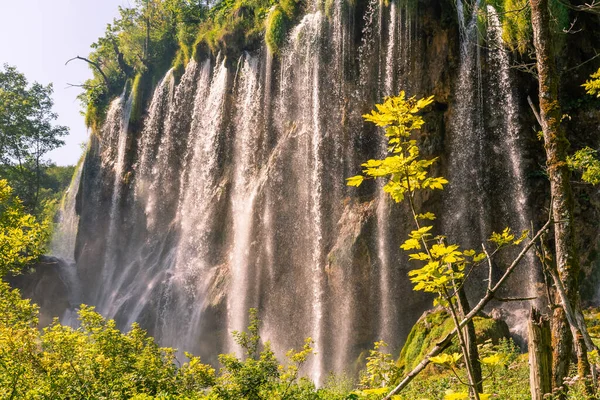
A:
<point x="39" y="36"/>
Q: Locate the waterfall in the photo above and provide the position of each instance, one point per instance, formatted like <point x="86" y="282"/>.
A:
<point x="246" y="151"/>
<point x="231" y="193"/>
<point x="118" y="124"/>
<point x="511" y="187"/>
<point x="192" y="265"/>
<point x="367" y="52"/>
<point x="62" y="246"/>
<point x="64" y="235"/>
<point x="487" y="190"/>
<point x="152" y="134"/>
<point x="304" y="54"/>
<point x="509" y="114"/>
<point x="391" y="51"/>
<point x="467" y="207"/>
<point x="164" y="178"/>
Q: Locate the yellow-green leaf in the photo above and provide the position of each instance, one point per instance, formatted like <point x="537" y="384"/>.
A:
<point x="355" y="180"/>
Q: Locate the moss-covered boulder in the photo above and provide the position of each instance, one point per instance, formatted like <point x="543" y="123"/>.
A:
<point x="434" y="325"/>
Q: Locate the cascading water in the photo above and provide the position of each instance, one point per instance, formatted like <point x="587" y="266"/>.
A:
<point x="62" y="246"/>
<point x="246" y="150"/>
<point x="486" y="168"/>
<point x="304" y="55"/>
<point x="396" y="72"/>
<point x="510" y="128"/>
<point x="466" y="179"/>
<point x="165" y="177"/>
<point x="65" y="233"/>
<point x="118" y="122"/>
<point x="510" y="188"/>
<point x="152" y="133"/>
<point x="192" y="268"/>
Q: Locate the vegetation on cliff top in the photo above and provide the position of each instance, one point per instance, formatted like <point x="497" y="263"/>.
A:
<point x="154" y="35"/>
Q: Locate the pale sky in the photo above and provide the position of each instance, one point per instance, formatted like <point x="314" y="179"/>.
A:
<point x="39" y="36"/>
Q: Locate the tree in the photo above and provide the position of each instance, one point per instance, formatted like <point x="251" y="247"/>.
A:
<point x="444" y="265"/>
<point x="22" y="238"/>
<point x="27" y="134"/>
<point x="143" y="39"/>
<point x="567" y="330"/>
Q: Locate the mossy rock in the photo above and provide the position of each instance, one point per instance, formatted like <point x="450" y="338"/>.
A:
<point x="276" y="30"/>
<point x="137" y="90"/>
<point x="434" y="325"/>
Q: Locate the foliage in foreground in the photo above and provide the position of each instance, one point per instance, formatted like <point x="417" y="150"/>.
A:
<point x="22" y="237"/>
<point x="97" y="361"/>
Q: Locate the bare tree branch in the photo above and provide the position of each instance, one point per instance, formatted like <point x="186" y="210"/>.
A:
<point x="93" y="64"/>
<point x="592" y="7"/>
<point x="83" y="85"/>
<point x="535" y="111"/>
<point x="490" y="267"/>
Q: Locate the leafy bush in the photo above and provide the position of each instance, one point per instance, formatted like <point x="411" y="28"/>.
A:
<point x="94" y="361"/>
<point x="22" y="237"/>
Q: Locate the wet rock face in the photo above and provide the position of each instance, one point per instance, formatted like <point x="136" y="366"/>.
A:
<point x="586" y="123"/>
<point x="46" y="284"/>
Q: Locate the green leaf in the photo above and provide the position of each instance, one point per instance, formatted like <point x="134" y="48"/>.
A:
<point x="411" y="244"/>
<point x="523" y="236"/>
<point x="355" y="180"/>
<point x="418" y="256"/>
<point x="479" y="257"/>
<point x="494" y="359"/>
<point x="428" y="216"/>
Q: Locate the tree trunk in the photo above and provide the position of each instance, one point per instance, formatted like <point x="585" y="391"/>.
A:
<point x="540" y="355"/>
<point x="147" y="42"/>
<point x="473" y="390"/>
<point x="471" y="340"/>
<point x="556" y="145"/>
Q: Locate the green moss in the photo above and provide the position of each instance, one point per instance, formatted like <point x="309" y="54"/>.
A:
<point x="516" y="23"/>
<point x="515" y="16"/>
<point x="329" y="8"/>
<point x="137" y="106"/>
<point x="289" y="7"/>
<point x="92" y="117"/>
<point x="423" y="336"/>
<point x="436" y="324"/>
<point x="234" y="26"/>
<point x="179" y="64"/>
<point x="276" y="30"/>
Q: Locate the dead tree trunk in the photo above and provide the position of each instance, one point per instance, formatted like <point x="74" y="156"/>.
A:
<point x="540" y="355"/>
